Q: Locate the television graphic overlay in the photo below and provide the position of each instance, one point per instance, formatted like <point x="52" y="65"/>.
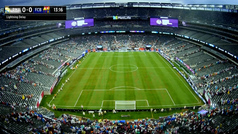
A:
<point x="35" y="13"/>
<point x="164" y="22"/>
<point x="79" y="23"/>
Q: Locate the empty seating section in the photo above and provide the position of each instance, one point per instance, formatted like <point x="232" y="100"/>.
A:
<point x="40" y="79"/>
<point x="7" y="52"/>
<point x="18" y="32"/>
<point x="204" y="60"/>
<point x="202" y="17"/>
<point x="218" y="77"/>
<point x="28" y="28"/>
<point x="35" y="75"/>
<point x="19" y="46"/>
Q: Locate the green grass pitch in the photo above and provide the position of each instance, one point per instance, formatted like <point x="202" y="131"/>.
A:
<point x="144" y="77"/>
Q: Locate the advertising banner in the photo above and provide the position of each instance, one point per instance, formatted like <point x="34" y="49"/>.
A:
<point x="79" y="23"/>
<point x="164" y="22"/>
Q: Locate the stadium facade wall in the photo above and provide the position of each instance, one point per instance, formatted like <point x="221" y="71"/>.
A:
<point x="40" y="98"/>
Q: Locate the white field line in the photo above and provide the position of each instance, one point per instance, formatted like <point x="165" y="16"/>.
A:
<point x="115" y="88"/>
<point x="95" y="90"/>
<point x="51" y="100"/>
<point x="153" y="67"/>
<point x="181" y="80"/>
<point x="155" y="89"/>
<point x="77" y="106"/>
<point x="82" y="90"/>
<point x="170" y="96"/>
<point x="76" y="69"/>
<point x="194" y="104"/>
<point x="101" y="54"/>
<point x="69" y="77"/>
<point x="122" y="89"/>
<point x="189" y="103"/>
<point x="124" y="100"/>
<point x="125" y="87"/>
<point x="147" y="103"/>
<point x="125" y="55"/>
<point x="118" y="56"/>
<point x="78" y="98"/>
<point x="155" y="105"/>
<point x="123" y="67"/>
<point x="92" y="68"/>
<point x="102" y="104"/>
<point x="142" y="67"/>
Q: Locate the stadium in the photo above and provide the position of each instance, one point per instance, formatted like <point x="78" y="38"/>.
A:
<point x="118" y="67"/>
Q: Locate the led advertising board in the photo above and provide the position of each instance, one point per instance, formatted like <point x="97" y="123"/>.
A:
<point x="164" y="22"/>
<point x="79" y="23"/>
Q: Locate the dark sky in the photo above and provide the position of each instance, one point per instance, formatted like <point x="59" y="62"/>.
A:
<point x="65" y="2"/>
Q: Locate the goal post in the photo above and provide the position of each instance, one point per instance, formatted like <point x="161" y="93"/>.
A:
<point x="125" y="105"/>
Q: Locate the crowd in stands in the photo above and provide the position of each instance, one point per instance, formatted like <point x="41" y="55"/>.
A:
<point x="116" y="42"/>
<point x="21" y="86"/>
<point x="37" y="74"/>
<point x="215" y="77"/>
<point x="201" y="16"/>
<point x="25" y="83"/>
<point x="215" y="120"/>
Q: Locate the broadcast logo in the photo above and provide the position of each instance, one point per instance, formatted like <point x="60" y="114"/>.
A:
<point x="163" y="22"/>
<point x="46" y="9"/>
<point x="7" y="10"/>
<point x="115" y="17"/>
<point x="78" y="23"/>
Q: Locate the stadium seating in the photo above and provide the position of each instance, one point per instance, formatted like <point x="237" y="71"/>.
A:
<point x="216" y="76"/>
<point x="212" y="70"/>
<point x="213" y="121"/>
<point x="52" y="58"/>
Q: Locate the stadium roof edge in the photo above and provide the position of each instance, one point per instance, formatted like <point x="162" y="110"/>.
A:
<point x="211" y="7"/>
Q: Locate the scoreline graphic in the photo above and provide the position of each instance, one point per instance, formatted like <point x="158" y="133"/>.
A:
<point x="35" y="13"/>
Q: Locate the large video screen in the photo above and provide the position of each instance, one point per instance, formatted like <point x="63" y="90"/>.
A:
<point x="79" y="23"/>
<point x="164" y="22"/>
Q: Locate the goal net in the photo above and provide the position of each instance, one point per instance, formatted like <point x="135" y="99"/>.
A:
<point x="125" y="105"/>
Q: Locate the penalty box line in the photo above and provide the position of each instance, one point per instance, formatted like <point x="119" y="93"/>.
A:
<point x="188" y="104"/>
<point x="160" y="89"/>
<point x="170" y="96"/>
<point x="123" y="90"/>
<point x="78" y="98"/>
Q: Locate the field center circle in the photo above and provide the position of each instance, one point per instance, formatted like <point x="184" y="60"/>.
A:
<point x="120" y="68"/>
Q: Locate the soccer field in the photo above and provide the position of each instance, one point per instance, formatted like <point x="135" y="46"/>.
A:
<point x="125" y="80"/>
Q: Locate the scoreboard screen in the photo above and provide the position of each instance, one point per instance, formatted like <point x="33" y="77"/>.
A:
<point x="79" y="23"/>
<point x="35" y="13"/>
<point x="164" y="22"/>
